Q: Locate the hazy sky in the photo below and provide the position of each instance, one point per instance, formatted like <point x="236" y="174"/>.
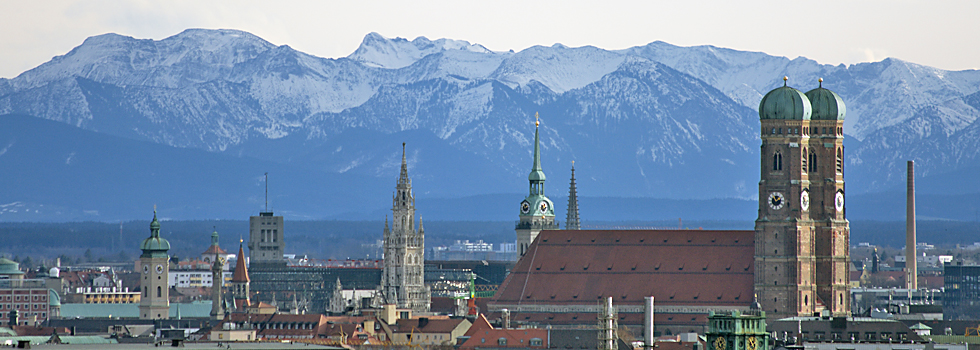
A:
<point x="943" y="34"/>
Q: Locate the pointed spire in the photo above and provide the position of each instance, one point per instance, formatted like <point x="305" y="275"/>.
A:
<point x="421" y="230"/>
<point x="537" y="151"/>
<point x="214" y="237"/>
<point x="386" y="223"/>
<point x="155" y="224"/>
<point x="571" y="218"/>
<point x="536" y="177"/>
<point x="241" y="272"/>
<point x="404" y="173"/>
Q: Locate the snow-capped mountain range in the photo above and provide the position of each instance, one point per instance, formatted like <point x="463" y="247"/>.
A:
<point x="653" y="121"/>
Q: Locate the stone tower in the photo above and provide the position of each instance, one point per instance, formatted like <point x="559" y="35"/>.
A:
<point x="801" y="234"/>
<point x="537" y="211"/>
<point x="240" y="282"/>
<point x="155" y="302"/>
<point x="571" y="217"/>
<point x="404" y="250"/>
<point x="217" y="286"/>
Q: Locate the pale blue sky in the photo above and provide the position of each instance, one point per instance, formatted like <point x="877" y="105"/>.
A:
<point x="942" y="34"/>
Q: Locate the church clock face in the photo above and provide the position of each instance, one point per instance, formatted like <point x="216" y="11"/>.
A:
<point x="805" y="200"/>
<point x="159" y="269"/>
<point x="776" y="200"/>
<point x="839" y="201"/>
<point x="720" y="343"/>
<point x="146" y="269"/>
<point x="525" y="207"/>
<point x="544" y="207"/>
<point x="751" y="343"/>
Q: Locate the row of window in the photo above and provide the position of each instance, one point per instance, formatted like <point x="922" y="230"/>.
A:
<point x="809" y="161"/>
<point x="806" y="131"/>
<point x="269" y="235"/>
<point x="23" y="306"/>
<point x="42" y="315"/>
<point x="855" y="336"/>
<point x="26" y="298"/>
<point x="503" y="341"/>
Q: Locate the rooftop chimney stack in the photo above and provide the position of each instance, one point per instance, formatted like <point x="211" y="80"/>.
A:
<point x="648" y="323"/>
<point x="910" y="256"/>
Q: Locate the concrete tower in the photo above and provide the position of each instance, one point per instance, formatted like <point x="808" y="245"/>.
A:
<point x="155" y="302"/>
<point x="537" y="211"/>
<point x="404" y="250"/>
<point x="571" y="217"/>
<point x="265" y="238"/>
<point x="801" y="234"/>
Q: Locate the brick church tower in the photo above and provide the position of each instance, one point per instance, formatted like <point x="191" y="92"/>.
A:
<point x="802" y="235"/>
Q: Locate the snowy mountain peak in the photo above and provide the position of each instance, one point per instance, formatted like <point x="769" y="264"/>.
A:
<point x="378" y="51"/>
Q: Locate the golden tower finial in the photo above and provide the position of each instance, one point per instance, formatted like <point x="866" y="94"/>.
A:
<point x="785" y="78"/>
<point x="536" y="121"/>
<point x="820" y="81"/>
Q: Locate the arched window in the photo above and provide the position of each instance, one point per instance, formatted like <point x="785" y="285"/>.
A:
<point x="840" y="161"/>
<point x="804" y="160"/>
<point x="813" y="162"/>
<point x="777" y="161"/>
<point x="159" y="292"/>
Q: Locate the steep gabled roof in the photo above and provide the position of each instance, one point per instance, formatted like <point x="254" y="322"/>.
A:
<point x="241" y="272"/>
<point x="677" y="267"/>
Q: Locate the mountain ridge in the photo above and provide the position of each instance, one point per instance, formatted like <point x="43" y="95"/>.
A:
<point x="654" y="120"/>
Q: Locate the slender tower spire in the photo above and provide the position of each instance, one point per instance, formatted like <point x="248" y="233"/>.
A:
<point x="537" y="212"/>
<point x="404" y="174"/>
<point x="571" y="218"/>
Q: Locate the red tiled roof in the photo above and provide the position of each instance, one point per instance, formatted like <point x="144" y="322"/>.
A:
<point x="677" y="267"/>
<point x="430" y="325"/>
<point x="480" y="324"/>
<point x="241" y="272"/>
<point x="214" y="249"/>
<point x="516" y="338"/>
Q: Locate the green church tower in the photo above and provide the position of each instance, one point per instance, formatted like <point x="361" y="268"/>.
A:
<point x="738" y="331"/>
<point x="537" y="211"/>
<point x="155" y="302"/>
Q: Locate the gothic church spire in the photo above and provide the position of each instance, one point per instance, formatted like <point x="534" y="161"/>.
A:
<point x="571" y="218"/>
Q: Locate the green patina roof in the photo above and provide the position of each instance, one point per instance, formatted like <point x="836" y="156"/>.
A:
<point x="188" y="310"/>
<point x="785" y="103"/>
<point x="9" y="267"/>
<point x="155" y="245"/>
<point x="53" y="298"/>
<point x="537" y="174"/>
<point x="825" y="104"/>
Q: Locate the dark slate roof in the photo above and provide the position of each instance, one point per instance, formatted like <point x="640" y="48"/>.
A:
<point x="677" y="267"/>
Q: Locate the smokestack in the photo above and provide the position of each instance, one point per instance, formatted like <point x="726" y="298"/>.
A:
<point x="648" y="323"/>
<point x="610" y="329"/>
<point x="910" y="256"/>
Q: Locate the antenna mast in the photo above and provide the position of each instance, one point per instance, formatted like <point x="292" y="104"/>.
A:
<point x="266" y="192"/>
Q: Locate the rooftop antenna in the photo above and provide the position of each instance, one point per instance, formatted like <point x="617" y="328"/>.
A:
<point x="267" y="192"/>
